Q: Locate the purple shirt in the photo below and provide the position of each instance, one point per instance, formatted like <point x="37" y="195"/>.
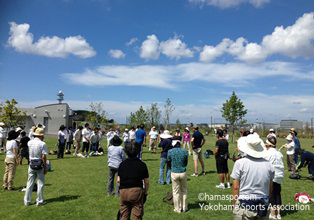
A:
<point x="186" y="136"/>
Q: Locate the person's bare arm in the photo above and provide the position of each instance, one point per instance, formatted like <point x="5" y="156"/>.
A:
<point x="16" y="152"/>
<point x="44" y="157"/>
<point x="118" y="180"/>
<point x="203" y="142"/>
<point x="192" y="142"/>
<point x="235" y="191"/>
<point x="146" y="183"/>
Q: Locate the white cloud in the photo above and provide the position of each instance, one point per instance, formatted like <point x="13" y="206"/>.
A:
<point x="22" y="41"/>
<point x="294" y="41"/>
<point x="175" y="48"/>
<point x="117" y="54"/>
<point x="172" y="76"/>
<point x="132" y="41"/>
<point x="229" y="3"/>
<point x="303" y="110"/>
<point x="150" y="48"/>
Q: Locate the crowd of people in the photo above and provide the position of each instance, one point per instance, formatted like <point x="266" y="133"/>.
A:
<point x="257" y="174"/>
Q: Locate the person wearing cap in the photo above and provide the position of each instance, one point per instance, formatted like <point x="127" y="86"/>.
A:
<point x="126" y="136"/>
<point x="306" y="158"/>
<point x="187" y="139"/>
<point x="110" y="135"/>
<point x="271" y="133"/>
<point x="276" y="159"/>
<point x="11" y="160"/>
<point x="166" y="145"/>
<point x="77" y="137"/>
<point x="86" y="139"/>
<point x="37" y="153"/>
<point x="24" y="147"/>
<point x="178" y="158"/>
<point x="3" y="135"/>
<point x="61" y="141"/>
<point x="198" y="141"/>
<point x="252" y="180"/>
<point x="115" y="157"/>
<point x="222" y="155"/>
<point x="297" y="144"/>
<point x="153" y="135"/>
<point x="141" y="138"/>
<point x="290" y="146"/>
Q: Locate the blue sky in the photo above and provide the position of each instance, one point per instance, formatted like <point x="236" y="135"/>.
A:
<point x="131" y="53"/>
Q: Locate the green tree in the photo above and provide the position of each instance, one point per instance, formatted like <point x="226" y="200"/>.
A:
<point x="11" y="115"/>
<point x="169" y="108"/>
<point x="154" y="115"/>
<point x="139" y="117"/>
<point x="234" y="111"/>
<point x="97" y="116"/>
<point x="178" y="124"/>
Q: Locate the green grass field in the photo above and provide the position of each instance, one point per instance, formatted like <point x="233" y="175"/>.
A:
<point x="76" y="189"/>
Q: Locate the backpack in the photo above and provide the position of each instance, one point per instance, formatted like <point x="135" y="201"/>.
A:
<point x="295" y="176"/>
<point x="168" y="198"/>
<point x="208" y="153"/>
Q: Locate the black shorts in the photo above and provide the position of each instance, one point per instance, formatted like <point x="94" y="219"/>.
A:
<point x="24" y="153"/>
<point x="222" y="165"/>
<point x="275" y="197"/>
<point x="85" y="147"/>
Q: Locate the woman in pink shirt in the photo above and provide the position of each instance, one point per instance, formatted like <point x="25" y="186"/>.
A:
<point x="187" y="139"/>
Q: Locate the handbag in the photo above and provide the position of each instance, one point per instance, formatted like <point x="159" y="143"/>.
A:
<point x="36" y="164"/>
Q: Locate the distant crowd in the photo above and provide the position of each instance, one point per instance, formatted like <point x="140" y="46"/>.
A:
<point x="257" y="174"/>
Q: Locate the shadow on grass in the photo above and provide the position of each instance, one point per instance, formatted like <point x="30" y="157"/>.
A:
<point x="150" y="159"/>
<point x="62" y="198"/>
<point x="287" y="212"/>
<point x="195" y="205"/>
<point x="62" y="158"/>
<point x="209" y="172"/>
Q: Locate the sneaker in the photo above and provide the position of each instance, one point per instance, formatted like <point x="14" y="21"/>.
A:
<point x="202" y="173"/>
<point x="273" y="216"/>
<point x="278" y="216"/>
<point x="228" y="186"/>
<point x="220" y="186"/>
<point x="40" y="204"/>
<point x="26" y="204"/>
<point x="177" y="211"/>
<point x="194" y="174"/>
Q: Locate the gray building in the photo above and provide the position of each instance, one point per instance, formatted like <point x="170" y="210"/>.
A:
<point x="51" y="116"/>
<point x="287" y="124"/>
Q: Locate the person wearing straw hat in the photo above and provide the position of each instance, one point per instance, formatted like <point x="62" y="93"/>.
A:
<point x="166" y="145"/>
<point x="3" y="135"/>
<point x="153" y="135"/>
<point x="276" y="159"/>
<point x="290" y="146"/>
<point x="37" y="169"/>
<point x="11" y="160"/>
<point x="31" y="132"/>
<point x="252" y="180"/>
<point x="187" y="139"/>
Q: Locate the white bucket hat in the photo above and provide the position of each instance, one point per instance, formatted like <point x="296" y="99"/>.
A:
<point x="271" y="129"/>
<point x="166" y="135"/>
<point x="289" y="137"/>
<point x="2" y="124"/>
<point x="252" y="145"/>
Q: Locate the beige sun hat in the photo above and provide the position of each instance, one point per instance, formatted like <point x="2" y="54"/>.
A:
<point x="166" y="135"/>
<point x="39" y="132"/>
<point x="268" y="143"/>
<point x="289" y="137"/>
<point x="2" y="124"/>
<point x="252" y="145"/>
<point x="271" y="129"/>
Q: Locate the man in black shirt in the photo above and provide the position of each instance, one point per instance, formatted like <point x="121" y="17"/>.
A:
<point x="222" y="155"/>
<point x="131" y="174"/>
<point x="197" y="141"/>
<point x="24" y="147"/>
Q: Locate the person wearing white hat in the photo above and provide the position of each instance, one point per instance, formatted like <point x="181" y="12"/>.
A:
<point x="37" y="169"/>
<point x="166" y="145"/>
<point x="271" y="133"/>
<point x="290" y="146"/>
<point x="126" y="136"/>
<point x="187" y="139"/>
<point x="252" y="180"/>
<point x="3" y="135"/>
<point x="153" y="135"/>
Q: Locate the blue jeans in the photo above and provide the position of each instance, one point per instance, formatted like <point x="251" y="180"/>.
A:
<point x="94" y="147"/>
<point x="163" y="163"/>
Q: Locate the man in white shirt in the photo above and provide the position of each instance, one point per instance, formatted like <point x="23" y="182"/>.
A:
<point x="3" y="135"/>
<point x="153" y="135"/>
<point x="37" y="168"/>
<point x="126" y="137"/>
<point x="132" y="135"/>
<point x="110" y="135"/>
<point x="290" y="146"/>
<point x="86" y="139"/>
<point x="77" y="137"/>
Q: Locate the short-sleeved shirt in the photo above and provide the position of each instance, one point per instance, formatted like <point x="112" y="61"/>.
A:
<point x="87" y="133"/>
<point x="198" y="138"/>
<point x="223" y="147"/>
<point x="132" y="135"/>
<point x="24" y="141"/>
<point x="140" y="134"/>
<point x="3" y="132"/>
<point x="276" y="159"/>
<point x="166" y="145"/>
<point x="126" y="136"/>
<point x="62" y="136"/>
<point x="290" y="151"/>
<point x="36" y="148"/>
<point x="10" y="146"/>
<point x="153" y="134"/>
<point x="179" y="159"/>
<point x="297" y="143"/>
<point x="78" y="135"/>
<point x="132" y="172"/>
<point x="186" y="136"/>
<point x="254" y="176"/>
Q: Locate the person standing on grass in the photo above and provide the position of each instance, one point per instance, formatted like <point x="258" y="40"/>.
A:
<point x="177" y="135"/>
<point x="86" y="139"/>
<point x="141" y="139"/>
<point x="3" y="136"/>
<point x="290" y="146"/>
<point x="178" y="158"/>
<point x="166" y="145"/>
<point x="11" y="160"/>
<point x="115" y="157"/>
<point x="69" y="140"/>
<point x="198" y="141"/>
<point x="61" y="141"/>
<point x="252" y="180"/>
<point x="38" y="155"/>
<point x="126" y="137"/>
<point x="132" y="135"/>
<point x="297" y="144"/>
<point x="153" y="135"/>
<point x="187" y="139"/>
<point x="276" y="159"/>
<point x="94" y="141"/>
<point x="24" y="147"/>
<point x="132" y="176"/>
<point x="110" y="135"/>
<point x="222" y="155"/>
<point x="77" y="137"/>
<point x="225" y="135"/>
<point x="31" y="132"/>
<point x="271" y="134"/>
